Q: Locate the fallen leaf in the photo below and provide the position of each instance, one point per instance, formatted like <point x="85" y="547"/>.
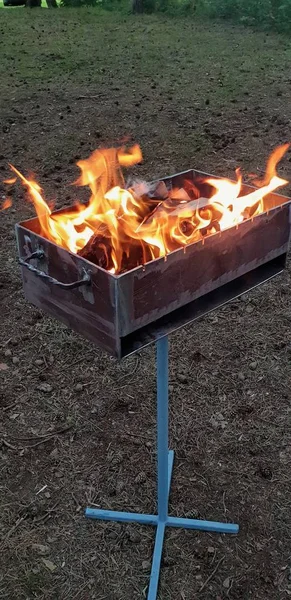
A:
<point x="14" y="416"/>
<point x="49" y="564"/>
<point x="41" y="549"/>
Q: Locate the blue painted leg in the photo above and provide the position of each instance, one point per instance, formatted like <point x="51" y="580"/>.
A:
<point x="156" y="564"/>
<point x="123" y="517"/>
<point x="160" y="533"/>
<point x="202" y="525"/>
<point x="162" y="426"/>
<point x="165" y="460"/>
<point x="170" y="469"/>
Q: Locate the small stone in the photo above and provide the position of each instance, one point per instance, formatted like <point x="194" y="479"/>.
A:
<point x="3" y="367"/>
<point x="79" y="387"/>
<point x="7" y="353"/>
<point x="249" y="309"/>
<point x="226" y="583"/>
<point x="45" y="387"/>
<point x="15" y="360"/>
<point x="146" y="565"/>
<point x="112" y="535"/>
<point x="148" y="444"/>
<point x="38" y="362"/>
<point x="171" y="389"/>
<point x="47" y="495"/>
<point x="253" y="365"/>
<point x="134" y="537"/>
<point x="41" y="549"/>
<point x="211" y="550"/>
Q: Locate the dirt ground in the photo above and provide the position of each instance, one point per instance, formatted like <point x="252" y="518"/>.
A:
<point x="76" y="427"/>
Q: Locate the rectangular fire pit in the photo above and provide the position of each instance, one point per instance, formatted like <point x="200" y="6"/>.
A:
<point x="125" y="312"/>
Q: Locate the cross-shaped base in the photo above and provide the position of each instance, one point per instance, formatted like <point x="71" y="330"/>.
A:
<point x="165" y="467"/>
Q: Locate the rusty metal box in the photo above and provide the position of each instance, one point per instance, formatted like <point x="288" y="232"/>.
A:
<point x="122" y="313"/>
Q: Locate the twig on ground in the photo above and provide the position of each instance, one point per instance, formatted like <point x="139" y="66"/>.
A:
<point x="88" y="97"/>
<point x="136" y="435"/>
<point x="78" y="504"/>
<point x="12" y="530"/>
<point x="211" y="575"/>
<point x="47" y="514"/>
<point x="223" y="502"/>
<point x="9" y="406"/>
<point x="124" y="377"/>
<point x="8" y="445"/>
<point x="44" y="437"/>
<point x="39" y="442"/>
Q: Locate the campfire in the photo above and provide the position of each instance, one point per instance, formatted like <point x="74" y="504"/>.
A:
<point x="139" y="261"/>
<point x="122" y="227"/>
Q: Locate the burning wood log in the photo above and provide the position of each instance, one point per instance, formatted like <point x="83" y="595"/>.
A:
<point x="99" y="251"/>
<point x="135" y="255"/>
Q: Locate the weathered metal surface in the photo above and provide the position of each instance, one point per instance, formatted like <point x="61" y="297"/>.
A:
<point x="90" y="310"/>
<point x="165" y="285"/>
<point x="123" y="313"/>
<point x="201" y="306"/>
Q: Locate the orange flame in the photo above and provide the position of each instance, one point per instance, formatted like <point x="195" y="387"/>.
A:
<point x="10" y="181"/>
<point x="129" y="227"/>
<point x="6" y="204"/>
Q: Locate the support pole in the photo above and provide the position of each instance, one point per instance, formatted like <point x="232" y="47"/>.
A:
<point x="165" y="459"/>
<point x="162" y="427"/>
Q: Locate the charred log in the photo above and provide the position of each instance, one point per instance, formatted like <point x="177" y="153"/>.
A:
<point x="133" y="257"/>
<point x="98" y="251"/>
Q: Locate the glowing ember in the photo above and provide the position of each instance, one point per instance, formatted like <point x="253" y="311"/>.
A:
<point x="121" y="228"/>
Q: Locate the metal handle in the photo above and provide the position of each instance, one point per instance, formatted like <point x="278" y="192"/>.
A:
<point x="86" y="279"/>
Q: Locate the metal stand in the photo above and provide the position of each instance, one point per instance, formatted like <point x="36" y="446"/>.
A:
<point x="165" y="466"/>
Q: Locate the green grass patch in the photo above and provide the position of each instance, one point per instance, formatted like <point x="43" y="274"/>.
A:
<point x="266" y="14"/>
